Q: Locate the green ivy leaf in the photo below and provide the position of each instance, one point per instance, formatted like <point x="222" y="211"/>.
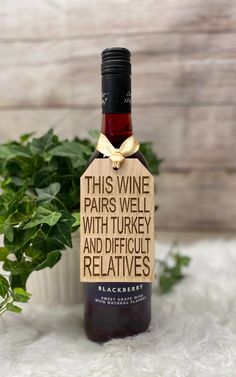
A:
<point x="25" y="137"/>
<point x="182" y="260"/>
<point x="34" y="253"/>
<point x="25" y="209"/>
<point x="166" y="283"/>
<point x="12" y="150"/>
<point x="3" y="253"/>
<point x="44" y="176"/>
<point x="44" y="144"/>
<point x="16" y="218"/>
<point x="43" y="216"/>
<point x="70" y="149"/>
<point x="13" y="308"/>
<point x="76" y="215"/>
<point x="28" y="165"/>
<point x="4" y="286"/>
<point x="63" y="228"/>
<point x="44" y="243"/>
<point x="172" y="270"/>
<point x="75" y="151"/>
<point x="47" y="194"/>
<point x="9" y="232"/>
<point x="21" y="238"/>
<point x="175" y="272"/>
<point x="2" y="224"/>
<point x="19" y="280"/>
<point x="52" y="258"/>
<point x="20" y="295"/>
<point x="18" y="196"/>
<point x="16" y="267"/>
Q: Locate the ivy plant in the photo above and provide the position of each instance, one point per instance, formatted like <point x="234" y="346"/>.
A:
<point x="171" y="269"/>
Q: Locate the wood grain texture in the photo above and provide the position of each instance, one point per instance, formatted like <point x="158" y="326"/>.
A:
<point x="169" y="69"/>
<point x="60" y="19"/>
<point x="200" y="199"/>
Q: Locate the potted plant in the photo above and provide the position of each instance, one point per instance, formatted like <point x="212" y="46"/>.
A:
<point x="39" y="216"/>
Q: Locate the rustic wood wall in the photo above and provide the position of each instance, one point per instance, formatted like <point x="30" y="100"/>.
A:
<point x="184" y="88"/>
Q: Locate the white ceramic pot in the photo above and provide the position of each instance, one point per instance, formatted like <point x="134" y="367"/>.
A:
<point x="60" y="284"/>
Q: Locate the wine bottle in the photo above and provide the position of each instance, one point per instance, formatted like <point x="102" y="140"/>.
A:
<point x="114" y="317"/>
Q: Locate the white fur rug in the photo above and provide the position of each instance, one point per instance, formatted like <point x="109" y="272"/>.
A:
<point x="193" y="331"/>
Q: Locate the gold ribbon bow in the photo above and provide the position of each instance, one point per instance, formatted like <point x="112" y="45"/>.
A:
<point x="117" y="155"/>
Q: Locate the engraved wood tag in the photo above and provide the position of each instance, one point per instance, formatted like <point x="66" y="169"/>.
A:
<point x="117" y="222"/>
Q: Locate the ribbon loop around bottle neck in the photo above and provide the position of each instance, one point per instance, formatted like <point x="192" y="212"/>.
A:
<point x="117" y="155"/>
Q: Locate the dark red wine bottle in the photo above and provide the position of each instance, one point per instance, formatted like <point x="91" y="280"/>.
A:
<point x="127" y="308"/>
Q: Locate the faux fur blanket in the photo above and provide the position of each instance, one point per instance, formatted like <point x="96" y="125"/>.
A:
<point x="193" y="330"/>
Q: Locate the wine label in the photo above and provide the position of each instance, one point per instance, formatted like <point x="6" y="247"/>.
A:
<point x="117" y="222"/>
<point x="118" y="294"/>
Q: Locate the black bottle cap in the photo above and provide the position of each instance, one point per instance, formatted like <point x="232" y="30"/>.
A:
<point x="116" y="60"/>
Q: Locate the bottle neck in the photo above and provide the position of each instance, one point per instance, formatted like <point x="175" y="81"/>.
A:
<point x="117" y="127"/>
<point x="116" y="107"/>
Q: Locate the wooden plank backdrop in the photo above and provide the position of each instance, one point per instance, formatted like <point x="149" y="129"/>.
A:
<point x="184" y="88"/>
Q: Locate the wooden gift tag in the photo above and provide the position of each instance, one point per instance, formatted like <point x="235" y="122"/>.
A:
<point x="117" y="222"/>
